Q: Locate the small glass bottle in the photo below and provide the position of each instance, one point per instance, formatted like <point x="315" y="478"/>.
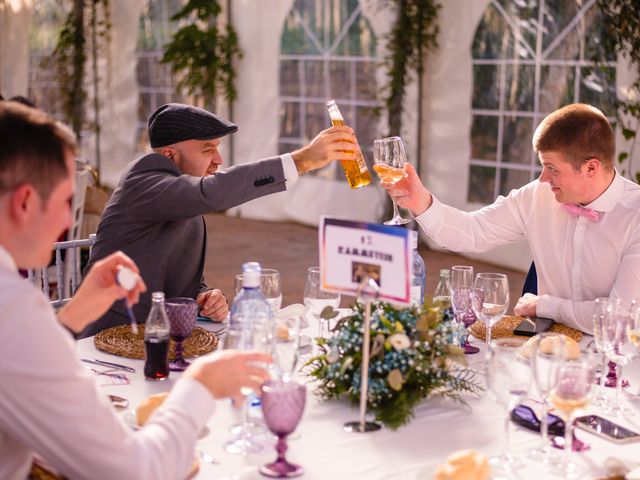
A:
<point x="156" y="340"/>
<point x="442" y="295"/>
<point x="418" y="273"/>
<point x="356" y="171"/>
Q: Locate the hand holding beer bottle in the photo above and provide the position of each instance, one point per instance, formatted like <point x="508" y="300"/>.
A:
<point x="356" y="171"/>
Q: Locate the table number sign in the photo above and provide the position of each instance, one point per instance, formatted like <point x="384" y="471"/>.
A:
<point x="351" y="251"/>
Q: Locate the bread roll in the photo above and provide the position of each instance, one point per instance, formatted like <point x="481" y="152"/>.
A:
<point x="148" y="406"/>
<point x="547" y="346"/>
<point x="464" y="465"/>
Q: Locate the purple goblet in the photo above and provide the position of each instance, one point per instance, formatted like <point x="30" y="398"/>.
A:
<point x="461" y="303"/>
<point x="182" y="313"/>
<point x="282" y="406"/>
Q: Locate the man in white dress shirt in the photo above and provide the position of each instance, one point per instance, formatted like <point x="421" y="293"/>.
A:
<point x="49" y="403"/>
<point x="580" y="217"/>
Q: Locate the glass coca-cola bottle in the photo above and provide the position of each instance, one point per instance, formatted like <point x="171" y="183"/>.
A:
<point x="156" y="340"/>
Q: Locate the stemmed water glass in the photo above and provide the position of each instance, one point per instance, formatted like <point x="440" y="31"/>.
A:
<point x="490" y="299"/>
<point x="601" y="306"/>
<point x="573" y="385"/>
<point x="257" y="335"/>
<point x="390" y="159"/>
<point x="182" y="313"/>
<point x="287" y="345"/>
<point x="508" y="379"/>
<point x="619" y="348"/>
<point x="270" y="286"/>
<point x="461" y="286"/>
<point x="547" y="357"/>
<point x="282" y="406"/>
<point x="316" y="299"/>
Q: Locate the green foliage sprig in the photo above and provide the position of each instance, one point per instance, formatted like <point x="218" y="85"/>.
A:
<point x="621" y="21"/>
<point x="86" y="31"/>
<point x="412" y="357"/>
<point x="202" y="53"/>
<point x="414" y="33"/>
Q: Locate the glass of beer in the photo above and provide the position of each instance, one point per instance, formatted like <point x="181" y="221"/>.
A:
<point x="390" y="158"/>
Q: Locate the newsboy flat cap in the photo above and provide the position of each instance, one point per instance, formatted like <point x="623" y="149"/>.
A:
<point x="176" y="122"/>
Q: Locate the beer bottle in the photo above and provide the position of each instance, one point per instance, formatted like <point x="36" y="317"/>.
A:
<point x="356" y="171"/>
<point x="156" y="340"/>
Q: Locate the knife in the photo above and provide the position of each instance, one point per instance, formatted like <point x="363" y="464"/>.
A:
<point x="95" y="361"/>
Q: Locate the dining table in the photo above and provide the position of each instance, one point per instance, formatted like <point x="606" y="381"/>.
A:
<point x="325" y="450"/>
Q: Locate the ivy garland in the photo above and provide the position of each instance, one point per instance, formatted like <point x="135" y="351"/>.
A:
<point x="622" y="26"/>
<point x="81" y="30"/>
<point x="202" y="53"/>
<point x="414" y="33"/>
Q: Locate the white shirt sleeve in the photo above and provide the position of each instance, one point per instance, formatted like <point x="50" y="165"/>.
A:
<point x="289" y="168"/>
<point x="51" y="405"/>
<point x="477" y="231"/>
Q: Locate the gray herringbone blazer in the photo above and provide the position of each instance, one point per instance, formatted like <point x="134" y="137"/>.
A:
<point x="155" y="217"/>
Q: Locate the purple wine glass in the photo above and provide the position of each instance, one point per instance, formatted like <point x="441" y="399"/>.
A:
<point x="461" y="303"/>
<point x="282" y="407"/>
<point x="182" y="313"/>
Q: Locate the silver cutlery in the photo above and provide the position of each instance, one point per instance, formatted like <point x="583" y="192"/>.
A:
<point x="116" y="366"/>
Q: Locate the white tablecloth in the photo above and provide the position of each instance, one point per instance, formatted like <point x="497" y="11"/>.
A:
<point x="413" y="452"/>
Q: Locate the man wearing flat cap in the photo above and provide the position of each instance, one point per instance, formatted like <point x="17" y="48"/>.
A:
<point x="155" y="212"/>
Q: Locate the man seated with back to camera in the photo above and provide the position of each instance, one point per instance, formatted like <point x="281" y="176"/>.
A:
<point x="581" y="219"/>
<point x="49" y="404"/>
<point x="155" y="213"/>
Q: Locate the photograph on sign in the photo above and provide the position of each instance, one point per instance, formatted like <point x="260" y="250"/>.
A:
<point x="352" y="251"/>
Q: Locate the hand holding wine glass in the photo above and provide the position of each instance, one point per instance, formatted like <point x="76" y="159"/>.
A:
<point x="390" y="159"/>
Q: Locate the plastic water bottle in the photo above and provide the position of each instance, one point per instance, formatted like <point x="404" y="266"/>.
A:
<point x="250" y="310"/>
<point x="251" y="319"/>
<point x="418" y="273"/>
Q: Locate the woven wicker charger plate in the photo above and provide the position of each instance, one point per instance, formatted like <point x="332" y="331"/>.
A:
<point x="508" y="323"/>
<point x="121" y="341"/>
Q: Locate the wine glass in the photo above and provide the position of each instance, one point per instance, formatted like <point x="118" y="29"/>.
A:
<point x="574" y="381"/>
<point x="316" y="299"/>
<point x="508" y="379"/>
<point x="461" y="285"/>
<point x="255" y="336"/>
<point x="270" y="286"/>
<point x="548" y="355"/>
<point x="182" y="313"/>
<point x="390" y="158"/>
<point x="601" y="306"/>
<point x="618" y="348"/>
<point x="287" y="345"/>
<point x="282" y="406"/>
<point x="490" y="299"/>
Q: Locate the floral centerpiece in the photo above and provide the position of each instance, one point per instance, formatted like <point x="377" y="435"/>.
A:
<point x="412" y="357"/>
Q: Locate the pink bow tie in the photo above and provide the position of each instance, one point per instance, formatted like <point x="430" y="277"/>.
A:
<point x="576" y="210"/>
